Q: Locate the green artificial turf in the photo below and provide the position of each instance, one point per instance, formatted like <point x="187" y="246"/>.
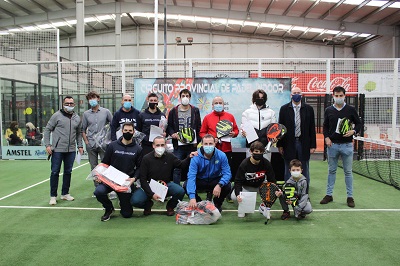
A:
<point x="34" y="233"/>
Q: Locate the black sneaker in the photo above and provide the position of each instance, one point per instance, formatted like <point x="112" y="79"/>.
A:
<point x="350" y="202"/>
<point x="107" y="215"/>
<point x="285" y="215"/>
<point x="147" y="208"/>
<point x="326" y="199"/>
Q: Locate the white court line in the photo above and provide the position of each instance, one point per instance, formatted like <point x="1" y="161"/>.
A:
<point x="34" y="185"/>
<point x="161" y="210"/>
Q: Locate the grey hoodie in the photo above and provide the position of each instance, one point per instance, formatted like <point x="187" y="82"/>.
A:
<point x="303" y="204"/>
<point x="66" y="132"/>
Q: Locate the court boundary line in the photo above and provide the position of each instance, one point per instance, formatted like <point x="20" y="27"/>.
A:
<point x="162" y="210"/>
<point x="38" y="183"/>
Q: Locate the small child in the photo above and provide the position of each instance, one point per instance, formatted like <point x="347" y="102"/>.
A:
<point x="294" y="193"/>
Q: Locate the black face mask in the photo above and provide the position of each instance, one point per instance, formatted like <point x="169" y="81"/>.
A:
<point x="257" y="157"/>
<point x="260" y="102"/>
<point x="127" y="135"/>
<point x="153" y="105"/>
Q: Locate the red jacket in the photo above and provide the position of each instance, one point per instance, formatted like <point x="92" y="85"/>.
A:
<point x="209" y="126"/>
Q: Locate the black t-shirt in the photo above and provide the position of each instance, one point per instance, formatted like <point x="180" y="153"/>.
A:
<point x="253" y="175"/>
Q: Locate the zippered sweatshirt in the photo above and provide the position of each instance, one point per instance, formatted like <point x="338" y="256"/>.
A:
<point x="66" y="132"/>
<point x="216" y="167"/>
<point x="126" y="158"/>
<point x="209" y="126"/>
<point x="301" y="190"/>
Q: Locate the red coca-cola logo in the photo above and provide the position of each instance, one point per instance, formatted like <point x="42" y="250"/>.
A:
<point x="313" y="82"/>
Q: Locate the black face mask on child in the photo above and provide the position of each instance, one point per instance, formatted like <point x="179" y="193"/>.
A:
<point x="257" y="157"/>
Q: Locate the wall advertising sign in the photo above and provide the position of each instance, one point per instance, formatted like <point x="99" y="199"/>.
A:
<point x="314" y="82"/>
<point x="236" y="92"/>
<point x="28" y="153"/>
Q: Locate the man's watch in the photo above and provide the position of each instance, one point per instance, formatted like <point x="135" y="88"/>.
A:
<point x="220" y="185"/>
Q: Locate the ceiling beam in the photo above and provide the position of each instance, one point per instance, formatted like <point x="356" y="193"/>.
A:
<point x="266" y="11"/>
<point x="310" y="8"/>
<point x="134" y="21"/>
<point x="39" y="5"/>
<point x="375" y="11"/>
<point x="191" y="11"/>
<point x="348" y="14"/>
<point x="331" y="9"/>
<point x="59" y="4"/>
<point x="289" y="7"/>
<point x="23" y="9"/>
<point x="5" y="11"/>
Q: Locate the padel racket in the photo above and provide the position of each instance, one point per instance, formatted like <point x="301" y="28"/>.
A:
<point x="274" y="131"/>
<point x="224" y="127"/>
<point x="186" y="135"/>
<point x="345" y="125"/>
<point x="290" y="193"/>
<point x="268" y="197"/>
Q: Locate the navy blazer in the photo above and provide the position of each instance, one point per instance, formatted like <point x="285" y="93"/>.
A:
<point x="308" y="135"/>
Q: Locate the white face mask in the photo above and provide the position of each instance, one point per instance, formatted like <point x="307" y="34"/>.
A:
<point x="185" y="101"/>
<point x="338" y="100"/>
<point x="159" y="151"/>
<point x="295" y="173"/>
<point x="69" y="109"/>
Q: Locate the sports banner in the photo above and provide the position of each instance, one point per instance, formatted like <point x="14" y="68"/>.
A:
<point x="314" y="82"/>
<point x="236" y="92"/>
<point x="29" y="153"/>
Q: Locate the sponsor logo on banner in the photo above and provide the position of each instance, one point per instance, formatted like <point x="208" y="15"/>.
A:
<point x="29" y="153"/>
<point x="313" y="82"/>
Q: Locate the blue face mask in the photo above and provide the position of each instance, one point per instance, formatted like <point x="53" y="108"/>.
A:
<point x="218" y="108"/>
<point x="208" y="149"/>
<point x="93" y="103"/>
<point x="127" y="105"/>
<point x="296" y="97"/>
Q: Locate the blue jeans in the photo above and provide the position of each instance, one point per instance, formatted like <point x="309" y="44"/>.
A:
<point x="56" y="159"/>
<point x="181" y="153"/>
<point x="139" y="197"/>
<point x="101" y="192"/>
<point x="205" y="185"/>
<point x="345" y="150"/>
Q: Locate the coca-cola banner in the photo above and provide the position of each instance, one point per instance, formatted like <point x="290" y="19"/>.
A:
<point x="314" y="82"/>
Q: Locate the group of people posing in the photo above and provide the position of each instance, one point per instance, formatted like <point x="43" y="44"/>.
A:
<point x="204" y="163"/>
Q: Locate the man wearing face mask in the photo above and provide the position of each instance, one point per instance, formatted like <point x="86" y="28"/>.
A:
<point x="150" y="116"/>
<point x="184" y="115"/>
<point x="252" y="172"/>
<point x="158" y="165"/>
<point x="209" y="126"/>
<point x="127" y="113"/>
<point x="339" y="145"/>
<point x="126" y="156"/>
<point x="300" y="139"/>
<point x="93" y="121"/>
<point x="208" y="172"/>
<point x="260" y="116"/>
<point x="65" y="128"/>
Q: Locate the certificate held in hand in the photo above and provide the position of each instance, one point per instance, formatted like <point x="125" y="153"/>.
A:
<point x="159" y="189"/>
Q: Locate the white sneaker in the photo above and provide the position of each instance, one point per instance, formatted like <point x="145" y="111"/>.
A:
<point x="241" y="215"/>
<point x="67" y="197"/>
<point x="53" y="201"/>
<point x="112" y="195"/>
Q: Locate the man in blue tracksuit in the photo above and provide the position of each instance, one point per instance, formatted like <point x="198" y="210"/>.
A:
<point x="210" y="172"/>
